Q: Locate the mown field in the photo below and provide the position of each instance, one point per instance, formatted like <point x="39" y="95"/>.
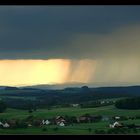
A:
<point x="76" y="129"/>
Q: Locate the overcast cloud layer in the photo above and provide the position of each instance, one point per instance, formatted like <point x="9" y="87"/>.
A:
<point x="73" y="32"/>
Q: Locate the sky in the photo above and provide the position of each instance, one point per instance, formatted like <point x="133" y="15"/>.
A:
<point x="97" y="45"/>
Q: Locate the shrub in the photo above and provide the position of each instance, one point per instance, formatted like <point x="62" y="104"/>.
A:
<point x="30" y="111"/>
<point x="36" y="122"/>
<point x="44" y="129"/>
<point x="89" y="129"/>
<point x="21" y="124"/>
<point x="55" y="129"/>
<point x="135" y="130"/>
<point x="2" y="106"/>
<point x="30" y="118"/>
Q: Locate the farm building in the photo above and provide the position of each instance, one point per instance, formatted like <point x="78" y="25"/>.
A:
<point x="115" y="125"/>
<point x="59" y="120"/>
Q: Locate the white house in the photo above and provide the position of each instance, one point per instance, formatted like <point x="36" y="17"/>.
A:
<point x="115" y="124"/>
<point x="29" y="125"/>
<point x="75" y="105"/>
<point x="102" y="102"/>
<point x="59" y="120"/>
<point x="47" y="122"/>
<point x="6" y="125"/>
<point x="61" y="124"/>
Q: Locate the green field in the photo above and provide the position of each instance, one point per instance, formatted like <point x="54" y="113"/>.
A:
<point x="71" y="111"/>
<point x="75" y="129"/>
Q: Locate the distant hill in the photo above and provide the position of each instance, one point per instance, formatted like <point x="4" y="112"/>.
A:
<point x="119" y="90"/>
<point x="57" y="86"/>
<point x="80" y="90"/>
<point x="11" y="88"/>
<point x="78" y="85"/>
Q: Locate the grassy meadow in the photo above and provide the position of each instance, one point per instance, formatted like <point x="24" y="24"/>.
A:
<point x="71" y="111"/>
<point x="75" y="129"/>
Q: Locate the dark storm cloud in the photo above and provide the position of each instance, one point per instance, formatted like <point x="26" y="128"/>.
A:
<point x="43" y="32"/>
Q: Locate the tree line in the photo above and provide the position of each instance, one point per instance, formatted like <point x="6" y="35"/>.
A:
<point x="128" y="103"/>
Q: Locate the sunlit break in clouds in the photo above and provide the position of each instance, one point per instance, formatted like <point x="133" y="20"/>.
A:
<point x="30" y="72"/>
<point x="53" y="71"/>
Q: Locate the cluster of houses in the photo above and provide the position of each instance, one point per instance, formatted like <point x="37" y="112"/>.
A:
<point x="63" y="121"/>
<point x="101" y="102"/>
<point x="59" y="120"/>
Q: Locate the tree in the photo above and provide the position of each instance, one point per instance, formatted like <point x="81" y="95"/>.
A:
<point x="37" y="123"/>
<point x="30" y="110"/>
<point x="89" y="129"/>
<point x="85" y="88"/>
<point x="55" y="129"/>
<point x="2" y="106"/>
<point x="135" y="130"/>
<point x="35" y="108"/>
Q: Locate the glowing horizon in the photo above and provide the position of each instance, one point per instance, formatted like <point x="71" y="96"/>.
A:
<point x="28" y="72"/>
<point x="33" y="72"/>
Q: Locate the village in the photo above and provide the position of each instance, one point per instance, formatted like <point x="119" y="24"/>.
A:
<point x="63" y="121"/>
<point x="92" y="116"/>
